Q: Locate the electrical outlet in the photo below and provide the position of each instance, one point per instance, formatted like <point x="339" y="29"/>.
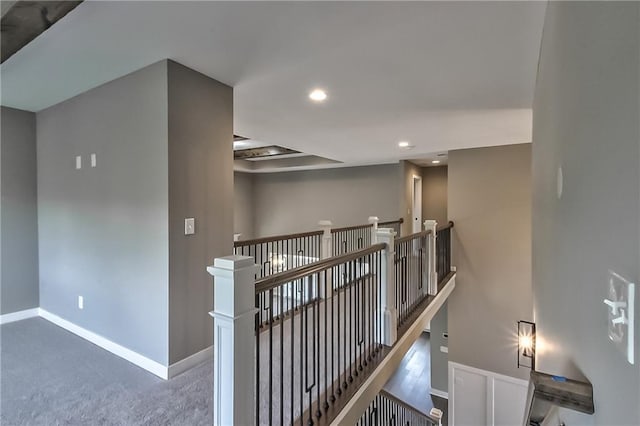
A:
<point x="80" y="302"/>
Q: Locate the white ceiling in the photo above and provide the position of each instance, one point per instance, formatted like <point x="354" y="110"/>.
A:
<point x="442" y="75"/>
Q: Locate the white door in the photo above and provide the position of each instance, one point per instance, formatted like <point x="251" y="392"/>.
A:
<point x="416" y="207"/>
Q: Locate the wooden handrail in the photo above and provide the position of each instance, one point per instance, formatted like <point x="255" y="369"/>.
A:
<point x="273" y="281"/>
<point x="391" y="222"/>
<point x="276" y="238"/>
<point x="405" y="405"/>
<point x="351" y="228"/>
<point x="413" y="236"/>
<point x="447" y="226"/>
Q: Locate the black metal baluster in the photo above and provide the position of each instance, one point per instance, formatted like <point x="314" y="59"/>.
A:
<point x="326" y="342"/>
<point x="271" y="359"/>
<point x="282" y="289"/>
<point x="292" y="379"/>
<point x="257" y="331"/>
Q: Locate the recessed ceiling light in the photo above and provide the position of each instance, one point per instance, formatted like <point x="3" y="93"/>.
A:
<point x="318" y="95"/>
<point x="435" y="162"/>
<point x="404" y="144"/>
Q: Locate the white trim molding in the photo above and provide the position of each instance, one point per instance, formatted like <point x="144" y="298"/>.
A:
<point x="19" y="316"/>
<point x="478" y="394"/>
<point x="189" y="362"/>
<point x="439" y="393"/>
<point x="106" y="344"/>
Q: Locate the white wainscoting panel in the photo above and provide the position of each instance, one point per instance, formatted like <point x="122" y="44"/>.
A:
<point x="480" y="397"/>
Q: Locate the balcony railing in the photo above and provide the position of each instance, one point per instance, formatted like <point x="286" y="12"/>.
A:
<point x="396" y="225"/>
<point x="387" y="410"/>
<point x="324" y="332"/>
<point x="301" y="340"/>
<point x="351" y="238"/>
<point x="411" y="268"/>
<point x="282" y="252"/>
<point x="443" y="251"/>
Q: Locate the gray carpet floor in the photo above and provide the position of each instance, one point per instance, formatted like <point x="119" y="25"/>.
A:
<point x="49" y="376"/>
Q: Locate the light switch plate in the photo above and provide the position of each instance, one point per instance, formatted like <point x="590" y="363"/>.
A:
<point x="189" y="226"/>
<point x="620" y="301"/>
<point x="78" y="162"/>
<point x="93" y="160"/>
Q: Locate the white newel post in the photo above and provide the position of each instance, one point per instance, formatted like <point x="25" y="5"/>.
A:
<point x="326" y="251"/>
<point x="326" y="247"/>
<point x="389" y="318"/>
<point x="431" y="273"/>
<point x="373" y="220"/>
<point x="234" y="366"/>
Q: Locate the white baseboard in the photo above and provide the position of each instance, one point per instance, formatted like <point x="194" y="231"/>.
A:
<point x="106" y="344"/>
<point x="20" y="315"/>
<point x="441" y="394"/>
<point x="190" y="362"/>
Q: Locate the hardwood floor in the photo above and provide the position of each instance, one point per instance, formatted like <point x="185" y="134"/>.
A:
<point x="411" y="382"/>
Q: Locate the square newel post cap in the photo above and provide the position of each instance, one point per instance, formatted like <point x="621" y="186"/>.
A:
<point x="430" y="225"/>
<point x="223" y="265"/>
<point x="233" y="286"/>
<point x="326" y="226"/>
<point x="374" y="219"/>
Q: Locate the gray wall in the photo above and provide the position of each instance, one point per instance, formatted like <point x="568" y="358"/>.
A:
<point x="405" y="204"/>
<point x="19" y="212"/>
<point x="243" y="210"/>
<point x="200" y="186"/>
<point x="585" y="119"/>
<point x="296" y="201"/>
<point x="103" y="231"/>
<point x="434" y="193"/>
<point x="434" y="206"/>
<point x="490" y="203"/>
<point x="439" y="359"/>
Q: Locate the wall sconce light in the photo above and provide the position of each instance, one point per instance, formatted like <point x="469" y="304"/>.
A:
<point x="527" y="344"/>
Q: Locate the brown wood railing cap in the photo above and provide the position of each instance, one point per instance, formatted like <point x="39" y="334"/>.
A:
<point x="447" y="226"/>
<point x="405" y="404"/>
<point x="389" y="222"/>
<point x="412" y="236"/>
<point x="351" y="228"/>
<point x="276" y="238"/>
<point x="273" y="281"/>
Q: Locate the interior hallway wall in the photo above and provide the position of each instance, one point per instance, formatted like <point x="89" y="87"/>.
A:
<point x="200" y="187"/>
<point x="18" y="212"/>
<point x="434" y="194"/>
<point x="295" y="201"/>
<point x="405" y="204"/>
<point x="103" y="231"/>
<point x="243" y="208"/>
<point x="434" y="206"/>
<point x="585" y="120"/>
<point x="490" y="203"/>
